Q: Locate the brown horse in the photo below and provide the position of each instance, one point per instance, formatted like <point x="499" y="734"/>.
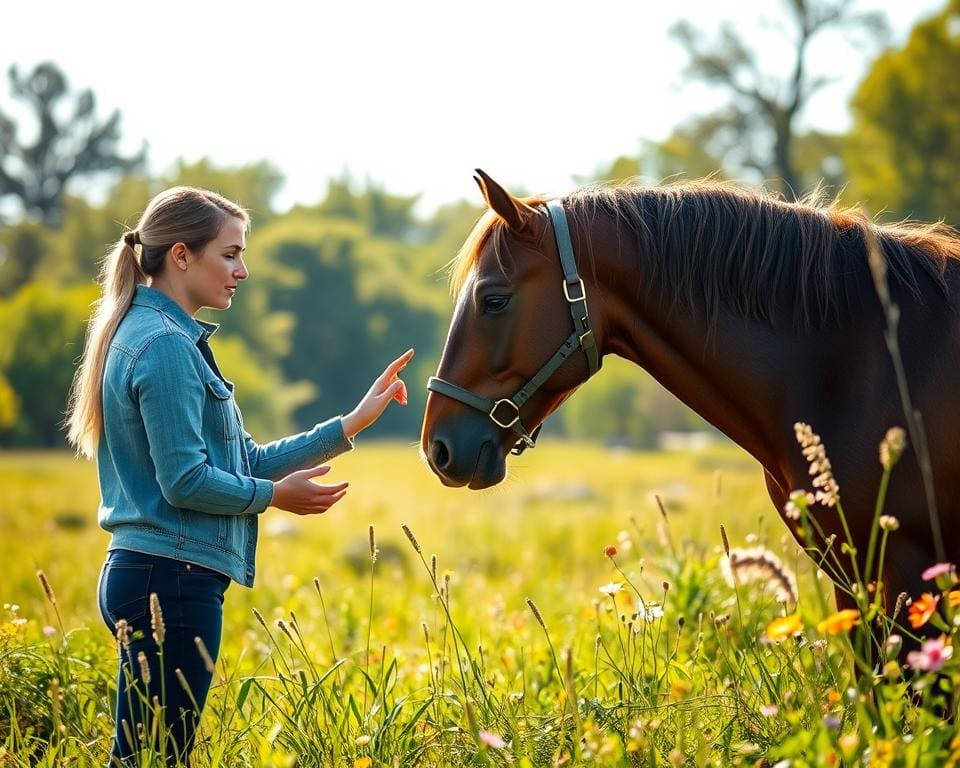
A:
<point x="756" y="312"/>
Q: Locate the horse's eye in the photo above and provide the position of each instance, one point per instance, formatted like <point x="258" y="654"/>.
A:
<point x="494" y="304"/>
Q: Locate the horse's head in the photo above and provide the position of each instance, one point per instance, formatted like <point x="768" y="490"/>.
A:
<point x="513" y="352"/>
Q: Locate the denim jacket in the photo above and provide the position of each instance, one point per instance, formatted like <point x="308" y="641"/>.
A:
<point x="179" y="475"/>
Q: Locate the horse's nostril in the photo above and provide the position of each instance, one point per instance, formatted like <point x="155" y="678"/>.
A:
<point x="439" y="454"/>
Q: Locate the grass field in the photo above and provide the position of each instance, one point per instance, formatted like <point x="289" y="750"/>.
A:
<point x="509" y="655"/>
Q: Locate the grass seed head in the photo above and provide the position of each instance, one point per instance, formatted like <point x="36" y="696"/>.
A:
<point x="47" y="589"/>
<point x="156" y="619"/>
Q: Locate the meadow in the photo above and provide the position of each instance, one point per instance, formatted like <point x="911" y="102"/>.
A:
<point x="576" y="615"/>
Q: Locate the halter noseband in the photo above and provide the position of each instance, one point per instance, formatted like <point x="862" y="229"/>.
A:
<point x="505" y="412"/>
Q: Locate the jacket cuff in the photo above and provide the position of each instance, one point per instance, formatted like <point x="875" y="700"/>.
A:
<point x="262" y="496"/>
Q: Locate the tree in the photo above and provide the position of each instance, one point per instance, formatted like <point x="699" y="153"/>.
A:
<point x="71" y="143"/>
<point x="43" y="338"/>
<point x="757" y="130"/>
<point x="904" y="151"/>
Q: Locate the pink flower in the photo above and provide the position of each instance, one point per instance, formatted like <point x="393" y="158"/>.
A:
<point x="49" y="631"/>
<point x="931" y="656"/>
<point x="939" y="569"/>
<point x="769" y="710"/>
<point x="492" y="740"/>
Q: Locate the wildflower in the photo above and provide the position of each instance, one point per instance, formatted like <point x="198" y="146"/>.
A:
<point x="953" y="598"/>
<point x="760" y="564"/>
<point x="839" y="622"/>
<point x="848" y="743"/>
<point x="891" y="447"/>
<point x="894" y="644"/>
<point x="785" y="626"/>
<point x="373" y="545"/>
<point x="610" y="550"/>
<point x="798" y="501"/>
<point x="156" y="619"/>
<point x="650" y="611"/>
<point x="931" y="656"/>
<point x="49" y="631"/>
<point x="362" y="762"/>
<point x="891" y="671"/>
<point x="769" y="710"/>
<point x="922" y="609"/>
<point x="888" y="523"/>
<point x="492" y="740"/>
<point x="832" y="722"/>
<point x="362" y="740"/>
<point x="612" y="588"/>
<point x="938" y="569"/>
<point x="820" y="467"/>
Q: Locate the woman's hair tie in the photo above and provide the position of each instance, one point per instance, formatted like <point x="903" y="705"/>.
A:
<point x="132" y="238"/>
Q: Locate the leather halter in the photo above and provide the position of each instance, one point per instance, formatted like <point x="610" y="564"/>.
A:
<point x="505" y="412"/>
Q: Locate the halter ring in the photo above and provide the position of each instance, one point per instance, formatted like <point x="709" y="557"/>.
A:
<point x="516" y="415"/>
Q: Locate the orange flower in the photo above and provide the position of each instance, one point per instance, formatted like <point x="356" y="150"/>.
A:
<point x="785" y="626"/>
<point x="954" y="597"/>
<point x="839" y="622"/>
<point x="922" y="609"/>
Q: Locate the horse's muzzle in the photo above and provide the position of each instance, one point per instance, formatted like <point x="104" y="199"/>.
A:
<point x="476" y="464"/>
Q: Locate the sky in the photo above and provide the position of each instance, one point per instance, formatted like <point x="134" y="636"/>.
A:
<point x="411" y="95"/>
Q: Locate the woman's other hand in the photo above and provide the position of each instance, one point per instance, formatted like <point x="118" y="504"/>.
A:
<point x="387" y="387"/>
<point x="298" y="494"/>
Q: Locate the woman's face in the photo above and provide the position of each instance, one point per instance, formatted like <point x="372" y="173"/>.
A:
<point x="212" y="278"/>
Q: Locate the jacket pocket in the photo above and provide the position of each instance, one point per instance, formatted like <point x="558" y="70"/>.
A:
<point x="224" y="411"/>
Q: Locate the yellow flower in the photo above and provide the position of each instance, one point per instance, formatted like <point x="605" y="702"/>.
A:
<point x="954" y="597"/>
<point x="785" y="626"/>
<point x="839" y="622"/>
<point x="362" y="762"/>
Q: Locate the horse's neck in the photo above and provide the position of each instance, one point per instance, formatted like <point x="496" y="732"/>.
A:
<point x="730" y="371"/>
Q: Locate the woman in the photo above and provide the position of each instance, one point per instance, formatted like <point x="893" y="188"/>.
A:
<point x="182" y="483"/>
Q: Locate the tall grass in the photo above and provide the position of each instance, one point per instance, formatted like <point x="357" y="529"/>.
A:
<point x="590" y="613"/>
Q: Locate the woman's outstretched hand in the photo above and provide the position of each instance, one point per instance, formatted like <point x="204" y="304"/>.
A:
<point x="387" y="387"/>
<point x="298" y="494"/>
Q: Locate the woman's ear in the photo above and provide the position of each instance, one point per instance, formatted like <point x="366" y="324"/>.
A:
<point x="180" y="255"/>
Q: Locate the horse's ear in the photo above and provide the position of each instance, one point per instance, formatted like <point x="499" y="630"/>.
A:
<point x="513" y="211"/>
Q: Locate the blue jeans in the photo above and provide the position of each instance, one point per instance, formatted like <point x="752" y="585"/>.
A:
<point x="191" y="601"/>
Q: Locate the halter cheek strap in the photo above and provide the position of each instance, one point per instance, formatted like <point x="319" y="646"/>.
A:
<point x="505" y="412"/>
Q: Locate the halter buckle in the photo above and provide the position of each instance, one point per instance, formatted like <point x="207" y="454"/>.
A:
<point x="516" y="415"/>
<point x="583" y="290"/>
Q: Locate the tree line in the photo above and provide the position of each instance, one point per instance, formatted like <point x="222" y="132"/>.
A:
<point x="342" y="286"/>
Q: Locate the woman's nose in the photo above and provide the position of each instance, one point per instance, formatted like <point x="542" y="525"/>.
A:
<point x="242" y="273"/>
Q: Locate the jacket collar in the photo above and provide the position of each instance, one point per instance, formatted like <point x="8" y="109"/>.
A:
<point x="146" y="296"/>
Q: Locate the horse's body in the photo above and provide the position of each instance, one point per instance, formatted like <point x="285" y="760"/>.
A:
<point x="755" y="312"/>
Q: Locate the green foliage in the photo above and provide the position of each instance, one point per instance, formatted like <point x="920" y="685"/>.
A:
<point x="252" y="186"/>
<point x="43" y="338"/>
<point x="265" y="399"/>
<point x="904" y="151"/>
<point x="625" y="405"/>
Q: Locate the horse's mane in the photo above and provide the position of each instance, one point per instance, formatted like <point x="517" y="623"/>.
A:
<point x="745" y="250"/>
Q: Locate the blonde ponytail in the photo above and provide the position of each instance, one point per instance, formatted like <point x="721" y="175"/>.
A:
<point x="119" y="279"/>
<point x="177" y="215"/>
